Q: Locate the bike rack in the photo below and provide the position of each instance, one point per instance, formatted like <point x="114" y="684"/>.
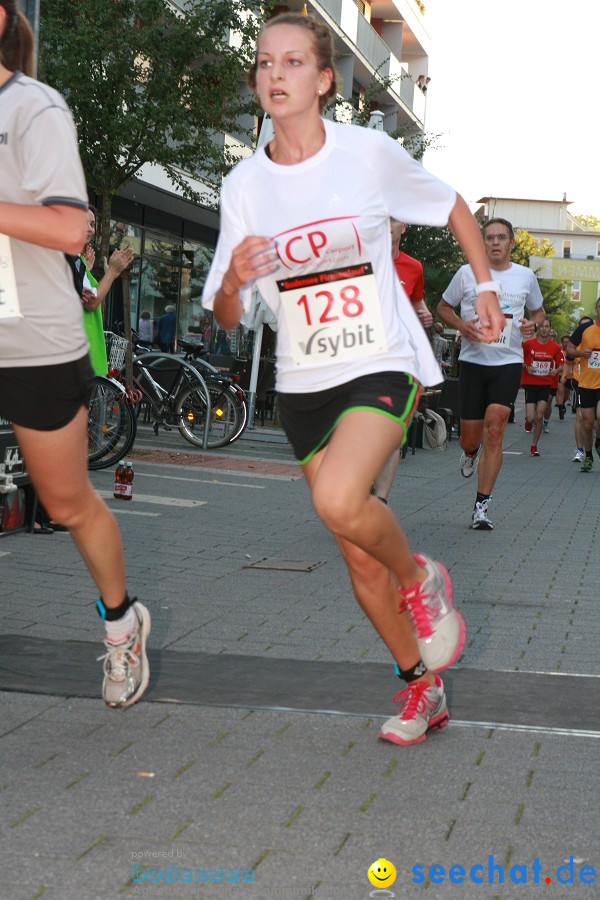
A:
<point x="198" y="377"/>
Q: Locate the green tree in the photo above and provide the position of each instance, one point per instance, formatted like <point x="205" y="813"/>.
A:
<point x="439" y="254"/>
<point x="556" y="300"/>
<point x="149" y="82"/>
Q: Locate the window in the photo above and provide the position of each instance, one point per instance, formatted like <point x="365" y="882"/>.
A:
<point x="567" y="249"/>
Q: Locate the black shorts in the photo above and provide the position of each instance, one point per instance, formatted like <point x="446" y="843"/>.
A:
<point x="553" y="391"/>
<point x="588" y="398"/>
<point x="536" y="393"/>
<point x="569" y="384"/>
<point x="310" y="419"/>
<point x="45" y="398"/>
<point x="480" y="386"/>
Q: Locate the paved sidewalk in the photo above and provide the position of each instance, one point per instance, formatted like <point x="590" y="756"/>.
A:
<point x="269" y="781"/>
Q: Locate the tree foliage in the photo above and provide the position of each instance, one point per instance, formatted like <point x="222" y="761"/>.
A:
<point x="590" y="222"/>
<point x="439" y="254"/>
<point x="149" y="82"/>
<point x="556" y="300"/>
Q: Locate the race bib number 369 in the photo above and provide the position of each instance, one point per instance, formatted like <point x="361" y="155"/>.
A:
<point x="333" y="316"/>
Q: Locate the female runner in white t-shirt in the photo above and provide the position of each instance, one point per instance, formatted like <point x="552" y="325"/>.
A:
<point x="307" y="220"/>
<point x="45" y="374"/>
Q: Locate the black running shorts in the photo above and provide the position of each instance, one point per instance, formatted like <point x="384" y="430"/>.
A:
<point x="45" y="398"/>
<point x="310" y="419"/>
<point x="588" y="398"/>
<point x="480" y="386"/>
<point x="536" y="393"/>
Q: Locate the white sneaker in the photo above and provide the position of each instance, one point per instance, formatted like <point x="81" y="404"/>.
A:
<point x="126" y="669"/>
<point x="468" y="464"/>
<point x="480" y="520"/>
<point x="579" y="454"/>
<point x="423" y="708"/>
<point x="439" y="628"/>
<point x="545" y="429"/>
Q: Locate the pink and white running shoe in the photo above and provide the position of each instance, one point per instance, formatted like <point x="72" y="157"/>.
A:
<point x="422" y="709"/>
<point x="439" y="628"/>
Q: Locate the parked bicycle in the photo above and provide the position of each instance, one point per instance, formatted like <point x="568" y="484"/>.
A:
<point x="228" y="399"/>
<point x="112" y="422"/>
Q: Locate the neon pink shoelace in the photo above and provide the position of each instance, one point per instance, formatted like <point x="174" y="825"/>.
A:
<point x="413" y="699"/>
<point x="414" y="598"/>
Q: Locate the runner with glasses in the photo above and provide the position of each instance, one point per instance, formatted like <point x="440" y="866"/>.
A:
<point x="490" y="373"/>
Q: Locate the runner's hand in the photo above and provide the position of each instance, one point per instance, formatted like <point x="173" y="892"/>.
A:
<point x="254" y="258"/>
<point x="491" y="317"/>
<point x="425" y="317"/>
<point x="471" y="331"/>
<point x="527" y="328"/>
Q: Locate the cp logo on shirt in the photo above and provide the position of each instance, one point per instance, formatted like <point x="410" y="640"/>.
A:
<point x="302" y="248"/>
<point x="333" y="241"/>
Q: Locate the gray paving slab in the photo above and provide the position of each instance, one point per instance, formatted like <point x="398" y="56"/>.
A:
<point x="308" y="801"/>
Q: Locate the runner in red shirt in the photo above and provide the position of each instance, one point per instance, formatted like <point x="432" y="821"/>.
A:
<point x="542" y="358"/>
<point x="410" y="273"/>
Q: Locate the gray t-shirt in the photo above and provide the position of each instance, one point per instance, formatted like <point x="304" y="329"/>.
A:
<point x="40" y="164"/>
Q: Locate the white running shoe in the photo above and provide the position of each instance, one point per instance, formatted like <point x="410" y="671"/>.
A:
<point x="468" y="464"/>
<point x="579" y="454"/>
<point x="439" y="628"/>
<point x="126" y="669"/>
<point x="422" y="709"/>
<point x="545" y="429"/>
<point x="480" y="520"/>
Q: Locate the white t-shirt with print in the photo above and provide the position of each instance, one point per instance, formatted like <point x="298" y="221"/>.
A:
<point x="520" y="289"/>
<point x="340" y="308"/>
<point x="40" y="165"/>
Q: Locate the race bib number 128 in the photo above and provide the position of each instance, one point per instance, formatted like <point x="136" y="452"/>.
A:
<point x="333" y="316"/>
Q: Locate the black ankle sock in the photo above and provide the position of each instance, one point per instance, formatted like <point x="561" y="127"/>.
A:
<point x="589" y="454"/>
<point x="482" y="497"/>
<point x="417" y="671"/>
<point x="111" y="615"/>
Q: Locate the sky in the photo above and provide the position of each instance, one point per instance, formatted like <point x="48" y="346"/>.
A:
<point x="515" y="94"/>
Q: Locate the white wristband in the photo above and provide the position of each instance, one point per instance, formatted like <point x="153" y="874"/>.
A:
<point x="494" y="286"/>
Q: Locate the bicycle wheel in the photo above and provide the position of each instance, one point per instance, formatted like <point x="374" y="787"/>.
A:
<point x="243" y="415"/>
<point x="112" y="425"/>
<point x="191" y="416"/>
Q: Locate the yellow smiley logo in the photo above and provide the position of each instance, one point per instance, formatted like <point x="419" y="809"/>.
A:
<point x="381" y="873"/>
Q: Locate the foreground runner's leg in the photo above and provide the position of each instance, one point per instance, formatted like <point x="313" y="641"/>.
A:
<point x="380" y="562"/>
<point x="57" y="464"/>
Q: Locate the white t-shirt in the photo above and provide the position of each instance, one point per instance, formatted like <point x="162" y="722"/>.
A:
<point x="520" y="289"/>
<point x="340" y="308"/>
<point x="40" y="165"/>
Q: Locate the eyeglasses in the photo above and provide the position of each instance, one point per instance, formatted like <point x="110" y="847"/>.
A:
<point x="490" y="238"/>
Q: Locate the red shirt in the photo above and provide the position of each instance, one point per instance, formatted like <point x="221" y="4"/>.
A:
<point x="543" y="358"/>
<point x="410" y="273"/>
